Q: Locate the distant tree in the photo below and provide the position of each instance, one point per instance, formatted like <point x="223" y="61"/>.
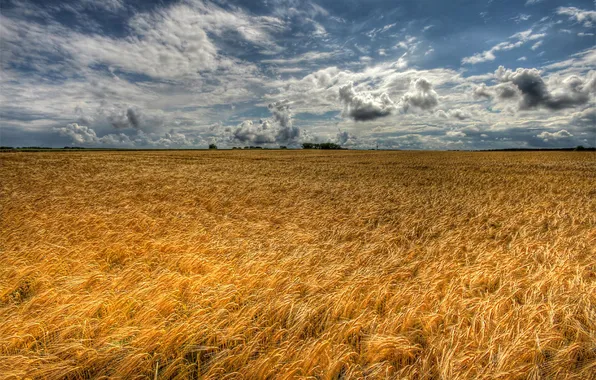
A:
<point x="327" y="145"/>
<point x="283" y="147"/>
<point x="212" y="146"/>
<point x="580" y="147"/>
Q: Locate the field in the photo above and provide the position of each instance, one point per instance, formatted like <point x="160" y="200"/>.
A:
<point x="294" y="264"/>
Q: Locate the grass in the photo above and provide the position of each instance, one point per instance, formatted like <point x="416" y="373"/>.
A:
<point x="284" y="264"/>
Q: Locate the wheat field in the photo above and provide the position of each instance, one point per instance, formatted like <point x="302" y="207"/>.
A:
<point x="298" y="264"/>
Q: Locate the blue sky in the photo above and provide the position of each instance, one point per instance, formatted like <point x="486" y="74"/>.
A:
<point x="423" y="74"/>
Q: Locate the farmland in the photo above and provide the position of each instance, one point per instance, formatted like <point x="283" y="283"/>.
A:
<point x="284" y="264"/>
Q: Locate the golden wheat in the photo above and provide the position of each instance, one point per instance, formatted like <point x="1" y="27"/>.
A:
<point x="289" y="264"/>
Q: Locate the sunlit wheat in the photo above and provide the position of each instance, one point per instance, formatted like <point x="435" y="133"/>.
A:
<point x="247" y="264"/>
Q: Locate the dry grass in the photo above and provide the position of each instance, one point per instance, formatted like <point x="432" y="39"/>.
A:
<point x="291" y="264"/>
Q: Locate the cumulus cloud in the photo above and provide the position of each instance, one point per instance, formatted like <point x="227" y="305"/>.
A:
<point x="344" y="138"/>
<point x="249" y="132"/>
<point x="455" y="134"/>
<point x="282" y="114"/>
<point x="278" y="129"/>
<point x="559" y="135"/>
<point x="420" y="95"/>
<point x="79" y="134"/>
<point x="534" y="93"/>
<point x="482" y="91"/>
<point x="458" y="114"/>
<point x="363" y="106"/>
<point x="86" y="136"/>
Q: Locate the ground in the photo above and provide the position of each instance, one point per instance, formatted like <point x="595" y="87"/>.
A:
<point x="282" y="264"/>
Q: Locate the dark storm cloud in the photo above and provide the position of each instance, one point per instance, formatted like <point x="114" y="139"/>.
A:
<point x="133" y="118"/>
<point x="573" y="91"/>
<point x="129" y="119"/>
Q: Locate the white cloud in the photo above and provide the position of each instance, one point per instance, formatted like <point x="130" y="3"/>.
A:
<point x="537" y="45"/>
<point x="455" y="134"/>
<point x="559" y="135"/>
<point x="364" y="106"/>
<point x="278" y="129"/>
<point x="489" y="55"/>
<point x="169" y="43"/>
<point x="86" y="136"/>
<point x="582" y="16"/>
<point x="521" y="17"/>
<point x="421" y="95"/>
<point x="305" y="57"/>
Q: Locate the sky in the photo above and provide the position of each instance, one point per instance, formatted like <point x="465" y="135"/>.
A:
<point x="413" y="74"/>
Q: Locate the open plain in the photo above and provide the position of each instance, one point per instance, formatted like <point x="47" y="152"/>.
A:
<point x="295" y="264"/>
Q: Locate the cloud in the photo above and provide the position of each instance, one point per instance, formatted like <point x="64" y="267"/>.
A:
<point x="482" y="91"/>
<point x="459" y="114"/>
<point x="573" y="90"/>
<point x="456" y="113"/>
<point x="167" y="43"/>
<point x="559" y="135"/>
<point x="410" y="43"/>
<point x="282" y="114"/>
<point x="521" y="17"/>
<point x="305" y="57"/>
<point x="580" y="15"/>
<point x="121" y="119"/>
<point x="278" y="129"/>
<point x="249" y="132"/>
<point x="342" y="137"/>
<point x="86" y="136"/>
<point x="79" y="134"/>
<point x="536" y="45"/>
<point x="585" y="119"/>
<point x="489" y="55"/>
<point x="186" y="65"/>
<point x="364" y="106"/>
<point x="421" y="95"/>
<point x="455" y="134"/>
